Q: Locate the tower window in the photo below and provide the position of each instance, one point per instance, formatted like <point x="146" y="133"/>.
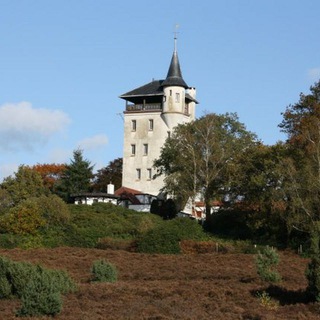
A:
<point x="177" y="97"/>
<point x="133" y="149"/>
<point x="138" y="174"/>
<point x="145" y="149"/>
<point x="133" y="125"/>
<point x="150" y="124"/>
<point x="170" y="93"/>
<point x="149" y="174"/>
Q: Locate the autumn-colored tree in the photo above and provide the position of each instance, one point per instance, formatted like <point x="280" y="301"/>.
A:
<point x="112" y="173"/>
<point x="23" y="219"/>
<point x="50" y="173"/>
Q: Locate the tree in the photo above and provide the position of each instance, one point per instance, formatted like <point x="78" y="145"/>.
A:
<point x="196" y="158"/>
<point x="76" y="177"/>
<point x="109" y="174"/>
<point x="301" y="122"/>
<point x="50" y="173"/>
<point x="26" y="183"/>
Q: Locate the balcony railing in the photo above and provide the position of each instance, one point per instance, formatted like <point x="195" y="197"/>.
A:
<point x="144" y="107"/>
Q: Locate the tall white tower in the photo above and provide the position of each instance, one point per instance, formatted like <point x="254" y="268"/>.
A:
<point x="152" y="111"/>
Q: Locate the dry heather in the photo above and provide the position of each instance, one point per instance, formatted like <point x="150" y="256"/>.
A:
<point x="189" y="286"/>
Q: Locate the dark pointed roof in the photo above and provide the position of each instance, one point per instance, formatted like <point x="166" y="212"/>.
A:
<point x="174" y="76"/>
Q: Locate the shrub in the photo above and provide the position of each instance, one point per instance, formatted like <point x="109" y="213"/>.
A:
<point x="103" y="271"/>
<point x="116" y="244"/>
<point x="41" y="296"/>
<point x="5" y="288"/>
<point x="166" y="237"/>
<point x="313" y="277"/>
<point x="40" y="289"/>
<point x="265" y="264"/>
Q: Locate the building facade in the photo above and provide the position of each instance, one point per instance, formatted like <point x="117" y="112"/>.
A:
<point x="151" y="113"/>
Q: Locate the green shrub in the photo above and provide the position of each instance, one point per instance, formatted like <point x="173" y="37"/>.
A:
<point x="166" y="237"/>
<point x="5" y="288"/>
<point x="266" y="261"/>
<point x="41" y="296"/>
<point x="159" y="240"/>
<point x="103" y="271"/>
<point x="40" y="289"/>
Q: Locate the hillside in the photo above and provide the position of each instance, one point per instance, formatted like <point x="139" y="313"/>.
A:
<point x="202" y="286"/>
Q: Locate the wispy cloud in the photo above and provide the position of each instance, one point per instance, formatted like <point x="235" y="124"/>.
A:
<point x="95" y="142"/>
<point x="22" y="126"/>
<point x="314" y="74"/>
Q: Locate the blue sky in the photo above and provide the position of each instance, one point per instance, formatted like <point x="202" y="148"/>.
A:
<point x="63" y="65"/>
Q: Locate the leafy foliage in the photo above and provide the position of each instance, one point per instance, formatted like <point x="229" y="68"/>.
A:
<point x="40" y="289"/>
<point x="25" y="218"/>
<point x="26" y="183"/>
<point x="103" y="271"/>
<point x="196" y="158"/>
<point x="166" y="237"/>
<point x="266" y="261"/>
<point x="50" y="173"/>
<point x="112" y="173"/>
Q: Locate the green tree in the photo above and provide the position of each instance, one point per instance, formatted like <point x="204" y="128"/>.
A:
<point x="196" y="158"/>
<point x="258" y="179"/>
<point x="112" y="173"/>
<point x="301" y="122"/>
<point x="76" y="178"/>
<point x="26" y="183"/>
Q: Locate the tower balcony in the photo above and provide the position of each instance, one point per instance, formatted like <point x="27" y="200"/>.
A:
<point x="144" y="107"/>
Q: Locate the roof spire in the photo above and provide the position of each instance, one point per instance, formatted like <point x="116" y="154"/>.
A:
<point x="174" y="76"/>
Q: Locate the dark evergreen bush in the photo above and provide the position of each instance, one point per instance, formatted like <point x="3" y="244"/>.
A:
<point x="313" y="277"/>
<point x="103" y="271"/>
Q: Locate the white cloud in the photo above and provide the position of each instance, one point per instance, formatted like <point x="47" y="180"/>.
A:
<point x="94" y="142"/>
<point x="314" y="74"/>
<point x="22" y="126"/>
<point x="7" y="170"/>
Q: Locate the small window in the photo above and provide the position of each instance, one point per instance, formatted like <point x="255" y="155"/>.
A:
<point x="177" y="97"/>
<point x="169" y="134"/>
<point x="149" y="174"/>
<point x="150" y="124"/>
<point x="145" y="149"/>
<point x="133" y="125"/>
<point x="138" y="173"/>
<point x="186" y="108"/>
<point x="170" y="93"/>
<point x="133" y="149"/>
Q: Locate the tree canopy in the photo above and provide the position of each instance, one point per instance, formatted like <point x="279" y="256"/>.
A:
<point x="196" y="158"/>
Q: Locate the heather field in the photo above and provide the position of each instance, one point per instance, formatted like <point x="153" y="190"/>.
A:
<point x="187" y="286"/>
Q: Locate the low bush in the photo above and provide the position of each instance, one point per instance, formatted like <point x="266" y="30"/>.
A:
<point x="40" y="289"/>
<point x="266" y="261"/>
<point x="103" y="271"/>
<point x="166" y="237"/>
